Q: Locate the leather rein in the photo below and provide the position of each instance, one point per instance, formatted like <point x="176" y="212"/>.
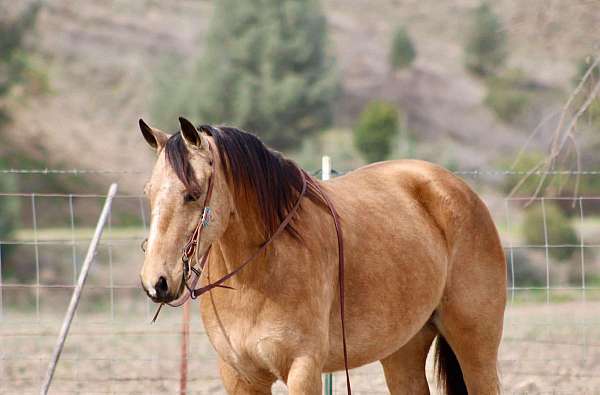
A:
<point x="191" y="275"/>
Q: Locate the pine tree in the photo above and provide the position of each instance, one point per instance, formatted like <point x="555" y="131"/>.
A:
<point x="403" y="52"/>
<point x="266" y="69"/>
<point x="13" y="67"/>
<point x="486" y="47"/>
<point x="13" y="58"/>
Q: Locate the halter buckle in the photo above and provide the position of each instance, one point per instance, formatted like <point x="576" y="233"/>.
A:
<point x="206" y="216"/>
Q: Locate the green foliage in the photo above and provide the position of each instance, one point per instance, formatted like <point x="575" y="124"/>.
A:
<point x="403" y="52"/>
<point x="15" y="65"/>
<point x="507" y="95"/>
<point x="567" y="185"/>
<point x="526" y="162"/>
<point x="486" y="46"/>
<point x="375" y="131"/>
<point x="559" y="229"/>
<point x="582" y="67"/>
<point x="10" y="209"/>
<point x="592" y="114"/>
<point x="265" y="69"/>
<point x="526" y="273"/>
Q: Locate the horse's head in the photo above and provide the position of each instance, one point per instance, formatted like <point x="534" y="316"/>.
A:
<point x="177" y="190"/>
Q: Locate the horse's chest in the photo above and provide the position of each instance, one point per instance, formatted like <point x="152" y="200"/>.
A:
<point x="238" y="338"/>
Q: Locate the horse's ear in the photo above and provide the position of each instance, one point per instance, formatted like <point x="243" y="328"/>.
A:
<point x="191" y="136"/>
<point x="154" y="137"/>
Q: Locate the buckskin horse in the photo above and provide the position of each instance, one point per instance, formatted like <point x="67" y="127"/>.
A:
<point x="422" y="260"/>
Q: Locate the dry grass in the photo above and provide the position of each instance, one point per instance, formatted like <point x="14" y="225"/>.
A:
<point x="552" y="348"/>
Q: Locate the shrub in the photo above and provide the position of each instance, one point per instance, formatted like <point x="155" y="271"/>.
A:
<point x="582" y="67"/>
<point x="560" y="230"/>
<point x="527" y="161"/>
<point x="15" y="65"/>
<point x="592" y="114"/>
<point x="526" y="272"/>
<point x="403" y="51"/>
<point x="554" y="184"/>
<point x="9" y="210"/>
<point x="508" y="104"/>
<point x="485" y="49"/>
<point x="375" y="131"/>
<point x="506" y="97"/>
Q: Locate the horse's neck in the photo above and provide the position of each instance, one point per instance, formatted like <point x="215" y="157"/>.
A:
<point x="241" y="239"/>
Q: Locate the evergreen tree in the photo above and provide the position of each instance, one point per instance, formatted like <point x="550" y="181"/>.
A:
<point x="266" y="69"/>
<point x="375" y="131"/>
<point x="485" y="50"/>
<point x="13" y="62"/>
<point x="403" y="52"/>
<point x="10" y="208"/>
<point x="13" y="68"/>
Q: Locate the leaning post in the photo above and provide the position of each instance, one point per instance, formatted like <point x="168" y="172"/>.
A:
<point x="91" y="252"/>
<point x="185" y="346"/>
<point x="325" y="175"/>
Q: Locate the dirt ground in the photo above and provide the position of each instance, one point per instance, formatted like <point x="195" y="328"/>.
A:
<point x="547" y="348"/>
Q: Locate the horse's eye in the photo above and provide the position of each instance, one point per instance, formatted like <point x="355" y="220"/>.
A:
<point x="188" y="197"/>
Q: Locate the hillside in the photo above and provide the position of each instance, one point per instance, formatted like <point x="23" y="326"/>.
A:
<point x="102" y="59"/>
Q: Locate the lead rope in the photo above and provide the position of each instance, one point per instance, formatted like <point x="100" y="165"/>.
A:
<point x="341" y="261"/>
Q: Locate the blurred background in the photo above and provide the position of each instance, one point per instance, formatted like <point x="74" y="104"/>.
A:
<point x="489" y="89"/>
<point x="461" y="83"/>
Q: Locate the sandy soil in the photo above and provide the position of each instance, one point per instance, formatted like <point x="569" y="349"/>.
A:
<point x="547" y="348"/>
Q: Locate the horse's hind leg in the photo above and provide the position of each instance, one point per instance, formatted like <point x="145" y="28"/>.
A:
<point x="470" y="319"/>
<point x="405" y="369"/>
<point x="475" y="346"/>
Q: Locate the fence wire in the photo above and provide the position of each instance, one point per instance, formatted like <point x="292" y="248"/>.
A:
<point x="551" y="338"/>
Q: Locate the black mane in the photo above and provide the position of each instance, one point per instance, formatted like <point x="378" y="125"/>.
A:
<point x="259" y="174"/>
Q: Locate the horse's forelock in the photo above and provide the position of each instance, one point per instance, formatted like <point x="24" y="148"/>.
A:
<point x="177" y="156"/>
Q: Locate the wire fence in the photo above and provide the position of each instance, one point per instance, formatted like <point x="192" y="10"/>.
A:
<point x="551" y="338"/>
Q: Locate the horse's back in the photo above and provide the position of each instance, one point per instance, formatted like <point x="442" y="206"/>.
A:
<point x="414" y="189"/>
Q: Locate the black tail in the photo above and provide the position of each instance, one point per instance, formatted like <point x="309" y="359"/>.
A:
<point x="447" y="370"/>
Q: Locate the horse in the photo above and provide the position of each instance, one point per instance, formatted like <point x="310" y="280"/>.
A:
<point x="423" y="261"/>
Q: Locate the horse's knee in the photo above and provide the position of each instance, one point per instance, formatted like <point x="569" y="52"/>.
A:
<point x="304" y="376"/>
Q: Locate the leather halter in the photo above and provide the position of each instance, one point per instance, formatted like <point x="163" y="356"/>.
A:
<point x="191" y="275"/>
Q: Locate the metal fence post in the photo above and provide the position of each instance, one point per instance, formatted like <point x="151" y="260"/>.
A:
<point x="325" y="175"/>
<point x="91" y="252"/>
<point x="185" y="345"/>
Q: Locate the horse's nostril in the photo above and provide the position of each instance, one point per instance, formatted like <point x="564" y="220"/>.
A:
<point x="162" y="288"/>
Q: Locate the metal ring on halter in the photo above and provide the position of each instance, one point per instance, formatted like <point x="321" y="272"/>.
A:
<point x="144" y="244"/>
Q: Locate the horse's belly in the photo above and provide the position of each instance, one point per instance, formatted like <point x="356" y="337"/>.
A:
<point x="389" y="298"/>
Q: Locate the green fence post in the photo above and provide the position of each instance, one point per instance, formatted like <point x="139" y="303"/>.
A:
<point x="325" y="175"/>
<point x="328" y="384"/>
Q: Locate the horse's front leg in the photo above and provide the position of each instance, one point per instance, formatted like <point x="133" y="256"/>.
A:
<point x="304" y="376"/>
<point x="234" y="383"/>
